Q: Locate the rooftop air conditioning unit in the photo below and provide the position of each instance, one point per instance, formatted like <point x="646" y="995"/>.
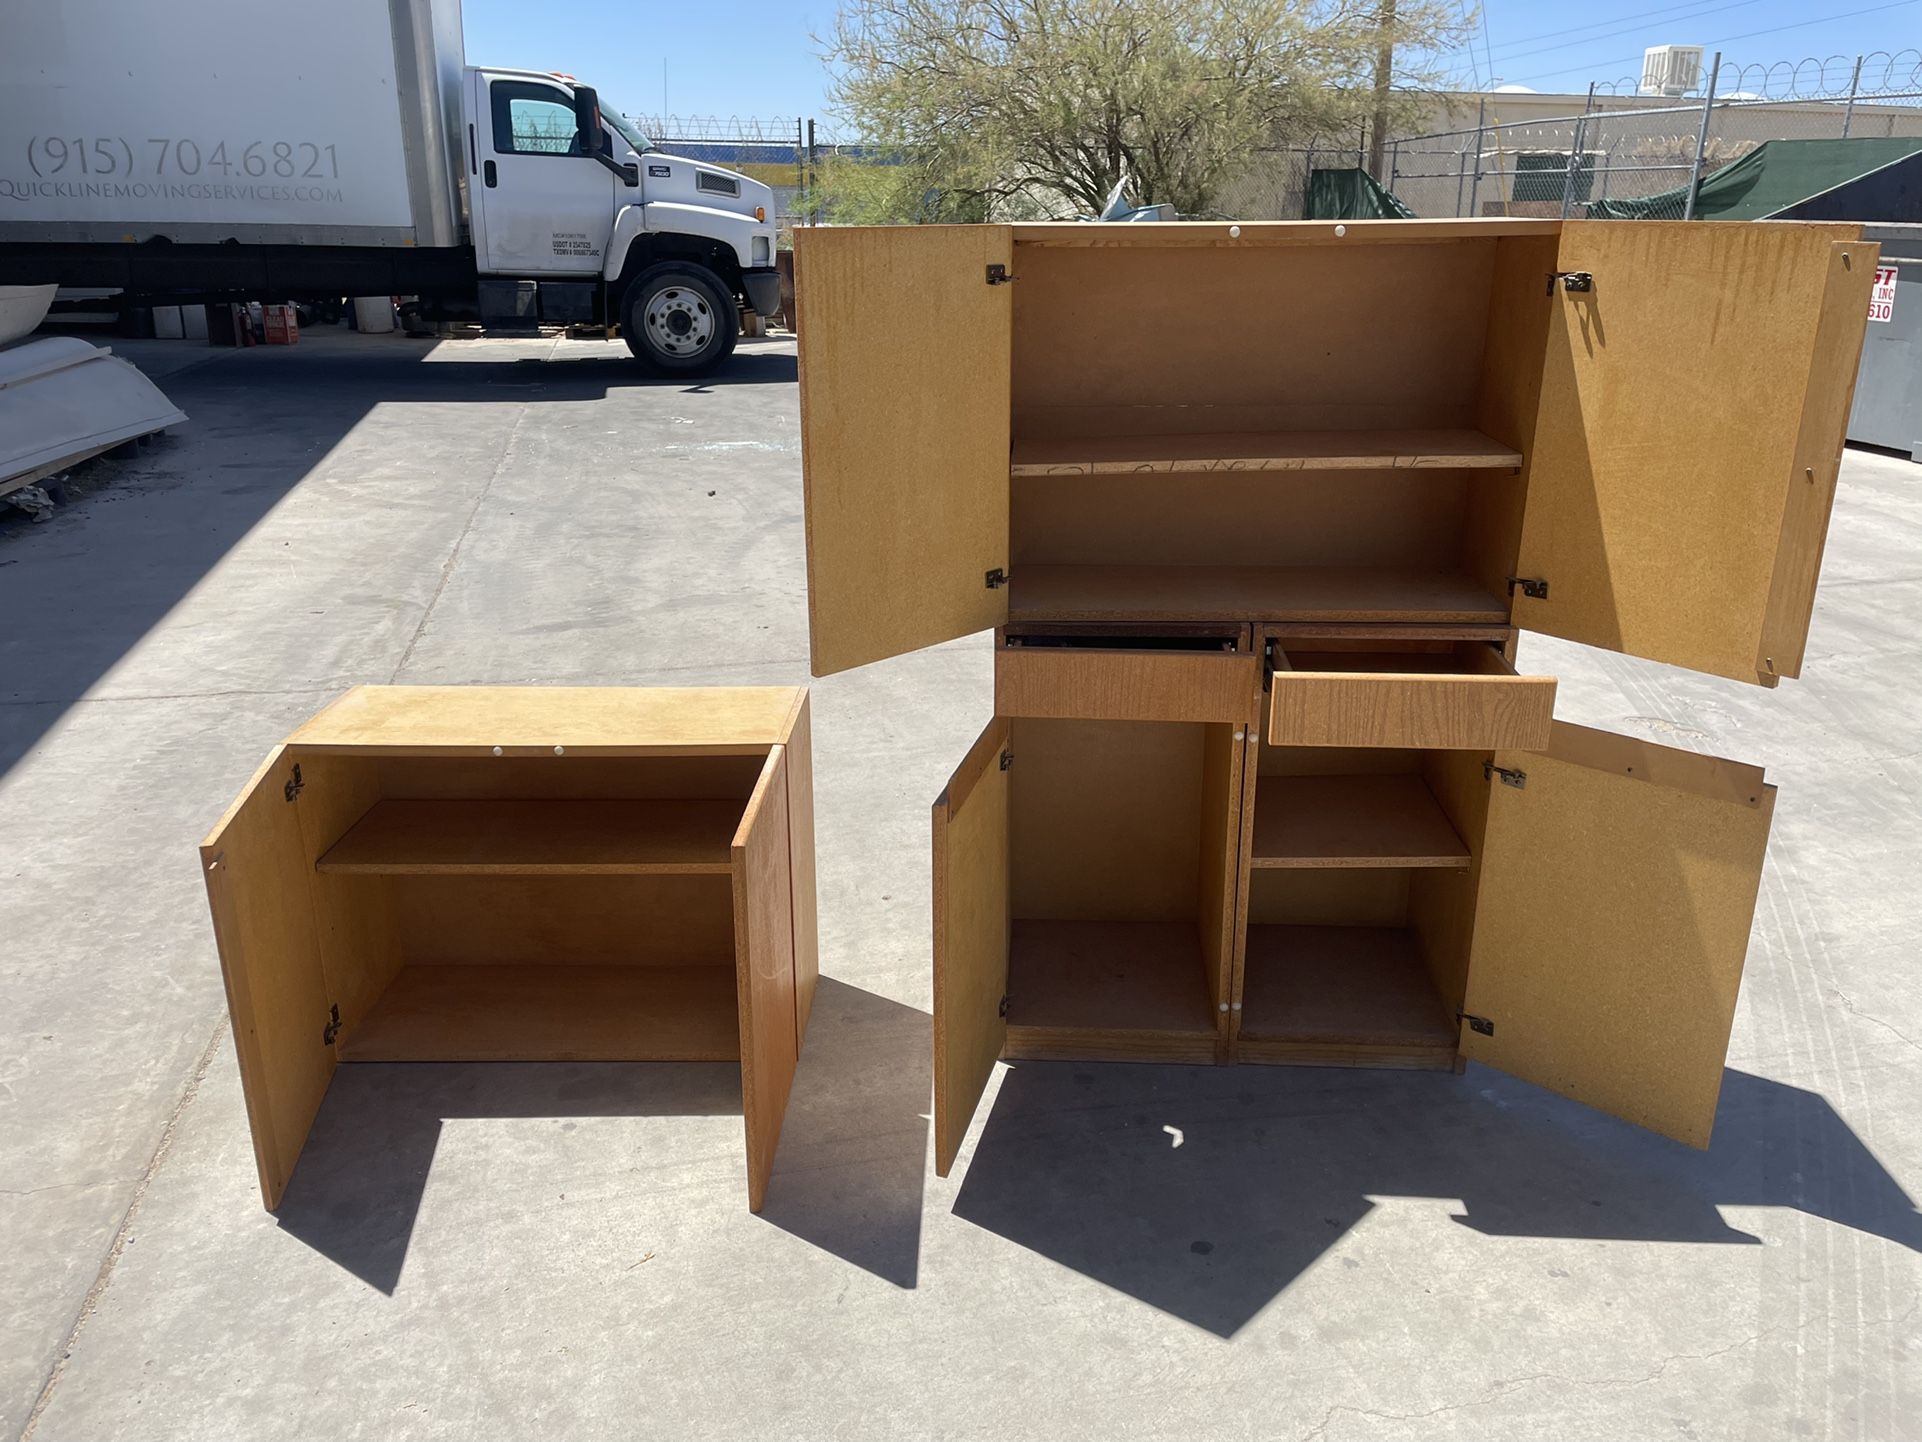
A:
<point x="1671" y="69"/>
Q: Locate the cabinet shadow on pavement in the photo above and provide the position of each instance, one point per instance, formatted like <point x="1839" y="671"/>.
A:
<point x="847" y="1175"/>
<point x="1205" y="1191"/>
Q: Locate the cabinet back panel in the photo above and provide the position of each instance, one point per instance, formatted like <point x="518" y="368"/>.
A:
<point x="1374" y="896"/>
<point x="1105" y="820"/>
<point x="1336" y="760"/>
<point x="568" y="777"/>
<point x="1139" y="340"/>
<point x="561" y="920"/>
<point x="1410" y="518"/>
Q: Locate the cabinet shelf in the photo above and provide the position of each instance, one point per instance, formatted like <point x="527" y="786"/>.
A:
<point x="517" y="837"/>
<point x="1230" y="593"/>
<point x="1263" y="451"/>
<point x="1121" y="989"/>
<point x="1352" y="821"/>
<point x="1353" y="995"/>
<point x="551" y="1012"/>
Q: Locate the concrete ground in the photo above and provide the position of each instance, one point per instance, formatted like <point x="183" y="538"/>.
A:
<point x="564" y="1250"/>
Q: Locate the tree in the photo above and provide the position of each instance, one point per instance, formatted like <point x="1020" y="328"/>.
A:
<point x="1036" y="107"/>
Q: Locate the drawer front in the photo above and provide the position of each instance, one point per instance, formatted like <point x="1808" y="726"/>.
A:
<point x="1118" y="685"/>
<point x="1423" y="712"/>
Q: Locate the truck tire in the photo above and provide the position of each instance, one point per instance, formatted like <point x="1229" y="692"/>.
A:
<point x="678" y="320"/>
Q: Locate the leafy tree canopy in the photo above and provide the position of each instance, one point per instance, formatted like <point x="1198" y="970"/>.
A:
<point x="1038" y="107"/>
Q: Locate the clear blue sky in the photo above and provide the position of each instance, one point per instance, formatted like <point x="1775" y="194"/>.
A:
<point x="757" y="57"/>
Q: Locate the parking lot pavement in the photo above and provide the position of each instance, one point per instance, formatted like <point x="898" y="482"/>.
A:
<point x="563" y="1249"/>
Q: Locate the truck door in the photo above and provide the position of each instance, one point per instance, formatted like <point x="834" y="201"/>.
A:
<point x="544" y="208"/>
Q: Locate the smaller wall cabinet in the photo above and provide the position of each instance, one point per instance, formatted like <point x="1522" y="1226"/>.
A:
<point x="525" y="874"/>
<point x="1257" y="512"/>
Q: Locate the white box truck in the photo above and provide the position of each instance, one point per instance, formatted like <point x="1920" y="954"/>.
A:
<point x="275" y="150"/>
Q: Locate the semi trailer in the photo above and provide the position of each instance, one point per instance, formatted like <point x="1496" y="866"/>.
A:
<point x="220" y="150"/>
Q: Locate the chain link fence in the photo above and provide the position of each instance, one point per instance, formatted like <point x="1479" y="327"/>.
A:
<point x="1617" y="153"/>
<point x="780" y="151"/>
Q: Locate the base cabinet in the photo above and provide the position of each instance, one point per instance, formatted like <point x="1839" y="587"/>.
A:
<point x="1576" y="914"/>
<point x="464" y="874"/>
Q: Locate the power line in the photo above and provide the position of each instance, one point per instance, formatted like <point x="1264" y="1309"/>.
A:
<point x="1723" y="40"/>
<point x="1626" y="29"/>
<point x="1667" y="12"/>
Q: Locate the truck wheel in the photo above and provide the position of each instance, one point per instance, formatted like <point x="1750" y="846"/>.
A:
<point x="678" y="320"/>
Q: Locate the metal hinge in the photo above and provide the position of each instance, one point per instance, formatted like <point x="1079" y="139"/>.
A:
<point x="1476" y="1023"/>
<point x="1007" y="759"/>
<point x="997" y="577"/>
<point x="332" y="1029"/>
<point x="294" y="783"/>
<point x="998" y="275"/>
<point x="1509" y="777"/>
<point x="1004" y="1004"/>
<point x="1531" y="586"/>
<point x="1572" y="280"/>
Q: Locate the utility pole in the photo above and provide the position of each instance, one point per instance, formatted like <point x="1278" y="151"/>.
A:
<point x="1384" y="73"/>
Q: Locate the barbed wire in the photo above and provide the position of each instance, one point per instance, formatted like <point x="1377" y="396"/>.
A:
<point x="1810" y="78"/>
<point x="740" y="129"/>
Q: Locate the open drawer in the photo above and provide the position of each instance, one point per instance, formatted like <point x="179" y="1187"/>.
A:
<point x="1457" y="693"/>
<point x="1105" y="674"/>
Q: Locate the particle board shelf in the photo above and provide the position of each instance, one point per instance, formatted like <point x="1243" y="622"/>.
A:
<point x="1229" y="593"/>
<point x="551" y="1012"/>
<point x="1264" y="451"/>
<point x="1117" y="989"/>
<point x="1335" y="995"/>
<point x="516" y="837"/>
<point x="1352" y="821"/>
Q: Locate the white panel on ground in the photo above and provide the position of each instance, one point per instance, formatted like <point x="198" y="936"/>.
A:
<point x="62" y="400"/>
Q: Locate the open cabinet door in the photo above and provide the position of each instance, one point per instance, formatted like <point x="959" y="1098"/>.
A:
<point x="1617" y="891"/>
<point x="258" y="886"/>
<point x="1690" y="429"/>
<point x="971" y="930"/>
<point x="905" y="359"/>
<point x="764" y="969"/>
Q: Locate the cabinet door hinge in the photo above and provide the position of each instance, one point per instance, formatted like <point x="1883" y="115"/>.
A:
<point x="1476" y="1023"/>
<point x="998" y="275"/>
<point x="1007" y="759"/>
<point x="332" y="1029"/>
<point x="996" y="578"/>
<point x="1572" y="280"/>
<point x="1004" y="1004"/>
<point x="1531" y="586"/>
<point x="294" y="783"/>
<point x="1509" y="776"/>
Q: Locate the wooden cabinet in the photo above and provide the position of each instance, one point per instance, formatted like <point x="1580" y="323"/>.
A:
<point x="1257" y="511"/>
<point x="528" y="874"/>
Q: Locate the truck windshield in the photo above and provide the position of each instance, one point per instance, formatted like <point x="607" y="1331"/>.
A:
<point x="632" y="136"/>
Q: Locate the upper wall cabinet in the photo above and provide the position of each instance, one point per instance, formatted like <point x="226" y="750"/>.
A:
<point x="904" y="394"/>
<point x="1694" y="394"/>
<point x="1621" y="433"/>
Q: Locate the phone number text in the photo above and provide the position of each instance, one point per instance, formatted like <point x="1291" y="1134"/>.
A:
<point x="161" y="157"/>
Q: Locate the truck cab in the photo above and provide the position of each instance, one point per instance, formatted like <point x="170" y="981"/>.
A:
<point x="576" y="217"/>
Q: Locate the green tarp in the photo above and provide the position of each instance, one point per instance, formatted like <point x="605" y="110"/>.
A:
<point x="1351" y="195"/>
<point x="1769" y="179"/>
<point x="1544" y="175"/>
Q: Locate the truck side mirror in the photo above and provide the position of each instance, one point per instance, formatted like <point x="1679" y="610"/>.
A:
<point x="589" y="138"/>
